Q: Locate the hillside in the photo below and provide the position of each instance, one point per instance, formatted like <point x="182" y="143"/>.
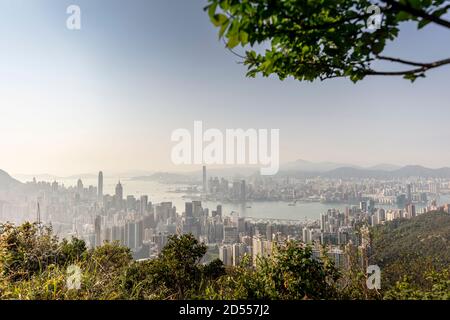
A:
<point x="406" y="247"/>
<point x="7" y="182"/>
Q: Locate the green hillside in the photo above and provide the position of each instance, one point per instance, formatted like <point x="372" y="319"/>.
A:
<point x="410" y="247"/>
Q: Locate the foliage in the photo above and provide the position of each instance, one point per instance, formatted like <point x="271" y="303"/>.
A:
<point x="409" y="247"/>
<point x="437" y="287"/>
<point x="322" y="39"/>
<point x="290" y="273"/>
<point x="176" y="273"/>
<point x="27" y="250"/>
<point x="33" y="265"/>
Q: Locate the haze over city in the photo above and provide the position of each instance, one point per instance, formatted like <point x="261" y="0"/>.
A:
<point x="109" y="95"/>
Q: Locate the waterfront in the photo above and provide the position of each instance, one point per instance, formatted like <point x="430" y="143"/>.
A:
<point x="159" y="192"/>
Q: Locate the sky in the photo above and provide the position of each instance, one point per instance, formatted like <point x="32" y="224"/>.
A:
<point x="108" y="97"/>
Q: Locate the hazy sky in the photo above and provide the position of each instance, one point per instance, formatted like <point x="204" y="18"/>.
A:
<point x="108" y="96"/>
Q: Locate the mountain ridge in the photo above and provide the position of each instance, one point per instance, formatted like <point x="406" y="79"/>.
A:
<point x="403" y="172"/>
<point x="7" y="182"/>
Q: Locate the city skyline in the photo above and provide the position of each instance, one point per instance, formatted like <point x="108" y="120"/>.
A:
<point x="307" y="166"/>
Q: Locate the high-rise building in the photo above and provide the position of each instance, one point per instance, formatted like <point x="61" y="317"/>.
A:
<point x="119" y="195"/>
<point x="97" y="229"/>
<point x="131" y="234"/>
<point x="269" y="232"/>
<point x="230" y="234"/>
<point x="197" y="208"/>
<point x="131" y="203"/>
<point x="219" y="210"/>
<point x="100" y="187"/>
<point x="188" y="210"/>
<point x="238" y="252"/>
<point x="370" y="205"/>
<point x="143" y="204"/>
<point x="411" y="210"/>
<point x="435" y="188"/>
<point x="307" y="235"/>
<point x="381" y="215"/>
<point x="408" y="193"/>
<point x="80" y="187"/>
<point x="226" y="255"/>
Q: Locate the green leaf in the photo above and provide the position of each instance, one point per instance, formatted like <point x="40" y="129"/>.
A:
<point x="224" y="5"/>
<point x="243" y="37"/>
<point x="219" y="19"/>
<point x="233" y="41"/>
<point x="223" y="28"/>
<point x="403" y="16"/>
<point x="212" y="10"/>
<point x="422" y="23"/>
<point x="377" y="47"/>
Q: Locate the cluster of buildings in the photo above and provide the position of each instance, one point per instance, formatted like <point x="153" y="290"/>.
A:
<point x="339" y="235"/>
<point x="144" y="227"/>
<point x="319" y="189"/>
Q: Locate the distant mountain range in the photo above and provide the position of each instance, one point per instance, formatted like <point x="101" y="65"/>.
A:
<point x="356" y="172"/>
<point x="306" y="169"/>
<point x="309" y="166"/>
<point x="7" y="182"/>
<point x="299" y="168"/>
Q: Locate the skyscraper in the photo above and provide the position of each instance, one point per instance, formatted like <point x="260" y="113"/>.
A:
<point x="143" y="204"/>
<point x="408" y="193"/>
<point x="411" y="210"/>
<point x="80" y="187"/>
<point x="188" y="211"/>
<point x="97" y="230"/>
<point x="119" y="195"/>
<point x="100" y="187"/>
<point x="219" y="210"/>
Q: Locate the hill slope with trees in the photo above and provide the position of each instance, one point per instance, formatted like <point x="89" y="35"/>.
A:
<point x="410" y="251"/>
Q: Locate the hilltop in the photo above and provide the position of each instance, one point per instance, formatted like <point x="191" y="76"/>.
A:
<point x="7" y="182"/>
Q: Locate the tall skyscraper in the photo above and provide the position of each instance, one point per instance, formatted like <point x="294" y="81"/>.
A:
<point x="408" y="193"/>
<point x="100" y="187"/>
<point x="98" y="229"/>
<point x="411" y="210"/>
<point x="143" y="204"/>
<point x="119" y="195"/>
<point x="80" y="187"/>
<point x="188" y="211"/>
<point x="269" y="232"/>
<point x="205" y="186"/>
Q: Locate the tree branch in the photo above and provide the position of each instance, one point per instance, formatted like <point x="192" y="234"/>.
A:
<point x="411" y="63"/>
<point x="417" y="12"/>
<point x="421" y="70"/>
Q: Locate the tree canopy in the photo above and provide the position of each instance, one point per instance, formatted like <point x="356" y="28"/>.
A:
<point x="34" y="264"/>
<point x="323" y="39"/>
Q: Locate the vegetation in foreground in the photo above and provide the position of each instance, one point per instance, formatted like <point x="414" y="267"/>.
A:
<point x="34" y="262"/>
